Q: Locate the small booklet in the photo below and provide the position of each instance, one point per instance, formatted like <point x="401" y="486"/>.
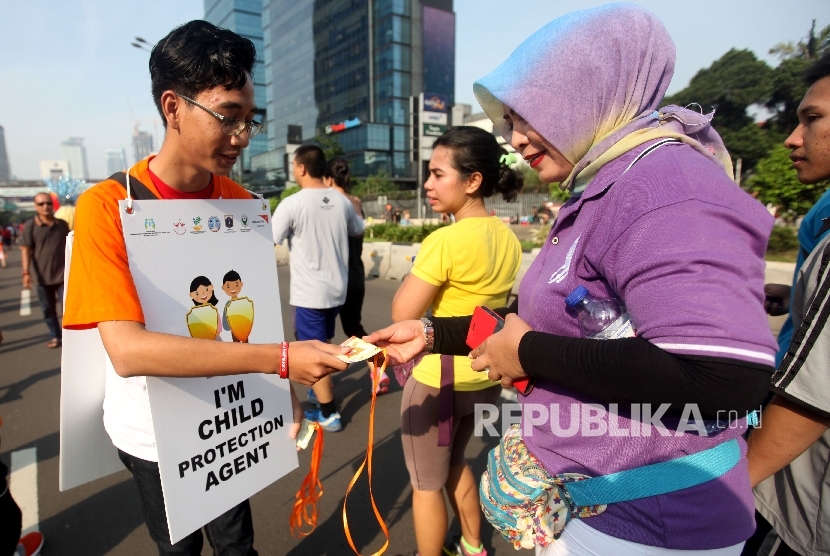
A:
<point x="358" y="350"/>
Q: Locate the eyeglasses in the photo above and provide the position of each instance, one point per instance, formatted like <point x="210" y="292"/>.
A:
<point x="45" y="203"/>
<point x="230" y="126"/>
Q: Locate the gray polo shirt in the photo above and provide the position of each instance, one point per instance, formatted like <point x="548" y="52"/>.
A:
<point x="48" y="245"/>
<point x="796" y="500"/>
<point x="317" y="224"/>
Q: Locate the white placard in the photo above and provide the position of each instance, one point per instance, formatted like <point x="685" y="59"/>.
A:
<point x="86" y="451"/>
<point x="222" y="439"/>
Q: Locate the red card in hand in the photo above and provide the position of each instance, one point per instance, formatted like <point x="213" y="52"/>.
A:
<point x="485" y="323"/>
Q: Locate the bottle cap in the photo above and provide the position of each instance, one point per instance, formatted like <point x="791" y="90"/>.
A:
<point x="576" y="296"/>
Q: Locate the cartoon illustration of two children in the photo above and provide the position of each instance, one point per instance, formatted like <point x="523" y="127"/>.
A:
<point x="237" y="315"/>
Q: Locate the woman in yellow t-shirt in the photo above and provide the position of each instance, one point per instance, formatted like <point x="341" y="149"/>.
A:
<point x="472" y="262"/>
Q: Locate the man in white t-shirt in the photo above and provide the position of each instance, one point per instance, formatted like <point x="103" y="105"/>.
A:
<point x="317" y="221"/>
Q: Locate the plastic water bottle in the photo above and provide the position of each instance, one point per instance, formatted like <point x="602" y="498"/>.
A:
<point x="600" y="319"/>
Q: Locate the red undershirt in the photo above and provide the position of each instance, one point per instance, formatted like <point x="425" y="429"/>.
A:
<point x="168" y="192"/>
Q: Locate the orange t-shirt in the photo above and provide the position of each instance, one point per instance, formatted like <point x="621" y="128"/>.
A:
<point x="100" y="286"/>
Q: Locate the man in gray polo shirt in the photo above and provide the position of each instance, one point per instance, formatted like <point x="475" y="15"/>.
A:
<point x="317" y="221"/>
<point x="789" y="454"/>
<point x="43" y="244"/>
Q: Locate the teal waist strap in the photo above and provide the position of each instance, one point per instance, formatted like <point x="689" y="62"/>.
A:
<point x="657" y="478"/>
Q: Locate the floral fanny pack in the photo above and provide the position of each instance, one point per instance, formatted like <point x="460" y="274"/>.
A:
<point x="530" y="507"/>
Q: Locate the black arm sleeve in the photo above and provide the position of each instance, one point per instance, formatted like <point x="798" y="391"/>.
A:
<point x="633" y="370"/>
<point x="451" y="332"/>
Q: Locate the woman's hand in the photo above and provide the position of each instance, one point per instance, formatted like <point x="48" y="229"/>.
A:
<point x="403" y="341"/>
<point x="312" y="360"/>
<point x="297" y="410"/>
<point x="498" y="355"/>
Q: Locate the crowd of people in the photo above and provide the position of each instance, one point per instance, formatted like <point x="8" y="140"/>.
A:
<point x="654" y="220"/>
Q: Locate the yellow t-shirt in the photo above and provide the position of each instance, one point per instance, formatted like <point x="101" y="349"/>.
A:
<point x="474" y="262"/>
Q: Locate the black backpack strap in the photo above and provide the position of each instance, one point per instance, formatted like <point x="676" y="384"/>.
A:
<point x="138" y="190"/>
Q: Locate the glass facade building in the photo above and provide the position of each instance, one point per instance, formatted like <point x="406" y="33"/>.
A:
<point x="244" y="17"/>
<point x="329" y="62"/>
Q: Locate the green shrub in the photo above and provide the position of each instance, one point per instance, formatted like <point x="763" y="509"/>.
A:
<point x="400" y="234"/>
<point x="782" y="239"/>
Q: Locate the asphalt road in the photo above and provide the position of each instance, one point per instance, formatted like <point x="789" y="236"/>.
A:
<point x="104" y="517"/>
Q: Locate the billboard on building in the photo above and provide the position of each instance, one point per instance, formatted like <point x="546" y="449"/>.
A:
<point x="434" y="102"/>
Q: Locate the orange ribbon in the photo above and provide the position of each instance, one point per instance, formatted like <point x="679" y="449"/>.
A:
<point x="305" y="501"/>
<point x="367" y="462"/>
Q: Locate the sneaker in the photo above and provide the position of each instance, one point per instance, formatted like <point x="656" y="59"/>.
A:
<point x="383" y="383"/>
<point x="30" y="545"/>
<point x="332" y="424"/>
<point x="312" y="397"/>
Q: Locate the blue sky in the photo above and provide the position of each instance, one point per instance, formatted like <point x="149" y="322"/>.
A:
<point x="67" y="68"/>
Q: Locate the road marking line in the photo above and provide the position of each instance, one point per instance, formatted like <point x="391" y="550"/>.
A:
<point x="25" y="303"/>
<point x="23" y="487"/>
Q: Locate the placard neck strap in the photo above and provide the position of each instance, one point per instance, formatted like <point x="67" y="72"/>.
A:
<point x="305" y="501"/>
<point x="367" y="461"/>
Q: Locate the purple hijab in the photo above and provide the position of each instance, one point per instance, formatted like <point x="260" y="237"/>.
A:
<point x="590" y="82"/>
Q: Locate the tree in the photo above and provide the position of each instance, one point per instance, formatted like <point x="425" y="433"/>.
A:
<point x="788" y="88"/>
<point x="330" y="145"/>
<point x="750" y="143"/>
<point x="730" y="85"/>
<point x="374" y="185"/>
<point x="775" y="182"/>
<point x="810" y="49"/>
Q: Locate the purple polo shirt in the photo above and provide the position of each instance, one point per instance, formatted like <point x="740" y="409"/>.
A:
<point x="684" y="248"/>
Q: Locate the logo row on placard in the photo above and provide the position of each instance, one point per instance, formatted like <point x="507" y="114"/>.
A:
<point x="198" y="225"/>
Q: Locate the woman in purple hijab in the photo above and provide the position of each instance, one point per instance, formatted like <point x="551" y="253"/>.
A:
<point x="630" y="445"/>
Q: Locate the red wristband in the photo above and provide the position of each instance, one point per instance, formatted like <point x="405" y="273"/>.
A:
<point x="284" y="362"/>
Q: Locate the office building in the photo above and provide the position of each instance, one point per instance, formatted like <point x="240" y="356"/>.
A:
<point x="74" y="152"/>
<point x="244" y="17"/>
<point x="348" y="69"/>
<point x="54" y="169"/>
<point x="142" y="144"/>
<point x="116" y="161"/>
<point x="5" y="169"/>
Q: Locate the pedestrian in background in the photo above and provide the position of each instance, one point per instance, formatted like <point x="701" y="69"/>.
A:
<point x="338" y="177"/>
<point x="459" y="267"/>
<point x="43" y="244"/>
<point x="317" y="221"/>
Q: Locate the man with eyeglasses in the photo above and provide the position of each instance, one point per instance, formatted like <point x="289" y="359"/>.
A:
<point x="201" y="84"/>
<point x="43" y="245"/>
